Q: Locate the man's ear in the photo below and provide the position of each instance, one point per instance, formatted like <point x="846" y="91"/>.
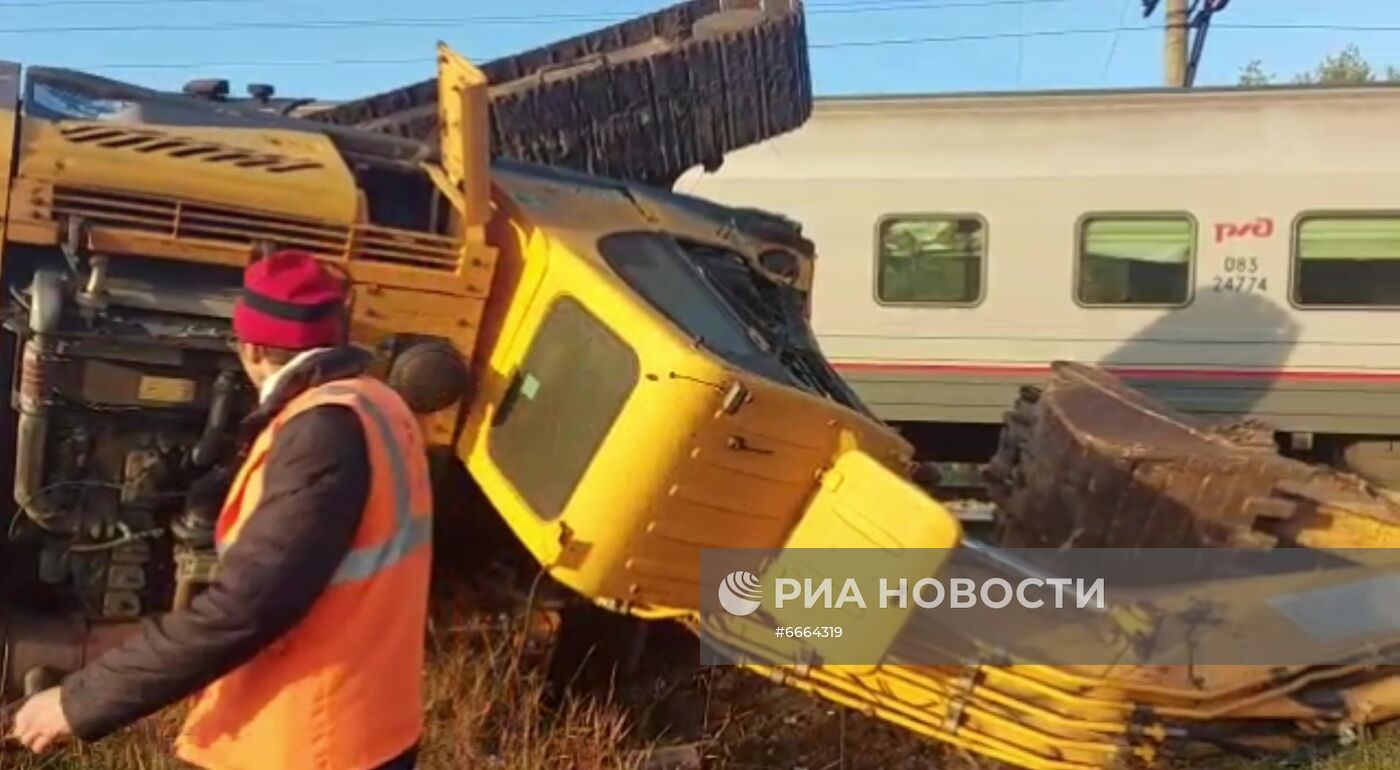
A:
<point x="255" y="354"/>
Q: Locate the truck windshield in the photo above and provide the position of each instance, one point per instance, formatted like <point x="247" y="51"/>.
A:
<point x="715" y="296"/>
<point x="658" y="269"/>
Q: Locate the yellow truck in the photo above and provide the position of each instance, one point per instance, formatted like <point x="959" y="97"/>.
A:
<point x="626" y="373"/>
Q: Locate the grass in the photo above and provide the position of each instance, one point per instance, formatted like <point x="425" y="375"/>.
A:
<point x="1382" y="754"/>
<point x="488" y="707"/>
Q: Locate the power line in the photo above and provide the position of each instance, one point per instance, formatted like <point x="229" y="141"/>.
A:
<point x="1021" y="46"/>
<point x="852" y="6"/>
<point x="388" y="22"/>
<point x="1089" y="31"/>
<point x="428" y="59"/>
<point x="621" y="13"/>
<point x="119" y="3"/>
<point x="1113" y="47"/>
<point x="603" y="17"/>
<point x="1310" y="27"/>
<point x="966" y="38"/>
<point x="357" y="24"/>
<point x="838" y="44"/>
<point x="240" y="64"/>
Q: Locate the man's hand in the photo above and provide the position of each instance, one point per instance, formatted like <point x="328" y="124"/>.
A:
<point x="40" y="722"/>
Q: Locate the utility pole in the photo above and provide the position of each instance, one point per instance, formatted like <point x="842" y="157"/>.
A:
<point x="1177" y="21"/>
<point x="1181" y="18"/>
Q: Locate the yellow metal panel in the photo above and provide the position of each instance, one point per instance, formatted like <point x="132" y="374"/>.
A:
<point x="861" y="503"/>
<point x="318" y="185"/>
<point x="464" y="130"/>
<point x="379" y="312"/>
<point x="9" y="117"/>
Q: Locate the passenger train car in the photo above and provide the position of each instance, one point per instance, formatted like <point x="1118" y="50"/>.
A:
<point x="1235" y="252"/>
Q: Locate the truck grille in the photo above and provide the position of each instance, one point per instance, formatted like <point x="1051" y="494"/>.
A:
<point x="151" y="142"/>
<point x="181" y="219"/>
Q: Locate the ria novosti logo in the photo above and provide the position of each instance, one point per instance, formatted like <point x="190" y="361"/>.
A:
<point x="740" y="593"/>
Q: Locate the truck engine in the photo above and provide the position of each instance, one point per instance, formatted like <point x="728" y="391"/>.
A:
<point x="126" y="404"/>
<point x="126" y="388"/>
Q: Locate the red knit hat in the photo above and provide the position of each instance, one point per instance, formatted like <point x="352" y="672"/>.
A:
<point x="290" y="301"/>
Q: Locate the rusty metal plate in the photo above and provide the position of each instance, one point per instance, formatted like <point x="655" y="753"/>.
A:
<point x="644" y="100"/>
<point x="1090" y="462"/>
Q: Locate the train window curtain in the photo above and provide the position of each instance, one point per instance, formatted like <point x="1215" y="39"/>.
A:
<point x="1135" y="259"/>
<point x="934" y="259"/>
<point x="1348" y="261"/>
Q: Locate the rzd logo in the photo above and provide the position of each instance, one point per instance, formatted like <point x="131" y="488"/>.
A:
<point x="740" y="593"/>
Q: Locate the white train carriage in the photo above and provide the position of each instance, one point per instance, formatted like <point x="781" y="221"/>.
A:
<point x="1233" y="251"/>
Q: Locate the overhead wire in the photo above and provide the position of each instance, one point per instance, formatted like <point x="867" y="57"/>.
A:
<point x="1090" y="31"/>
<point x="836" y="7"/>
<point x="619" y="12"/>
<point x="390" y="22"/>
<point x="974" y="37"/>
<point x="815" y="46"/>
<point x="853" y="6"/>
<point x="355" y="61"/>
<point x="118" y="3"/>
<point x="840" y="5"/>
<point x="1021" y="44"/>
<point x="1113" y="46"/>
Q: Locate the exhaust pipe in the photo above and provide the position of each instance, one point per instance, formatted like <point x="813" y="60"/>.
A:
<point x="46" y="309"/>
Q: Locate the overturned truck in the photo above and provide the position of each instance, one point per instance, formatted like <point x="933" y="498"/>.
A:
<point x="628" y="375"/>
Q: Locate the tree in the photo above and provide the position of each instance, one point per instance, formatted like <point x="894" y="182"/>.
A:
<point x="1253" y="74"/>
<point x="1345" y="66"/>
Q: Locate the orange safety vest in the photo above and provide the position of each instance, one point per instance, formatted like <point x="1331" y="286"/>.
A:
<point x="342" y="689"/>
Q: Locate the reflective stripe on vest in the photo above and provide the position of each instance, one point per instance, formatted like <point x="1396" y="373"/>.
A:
<point x="410" y="532"/>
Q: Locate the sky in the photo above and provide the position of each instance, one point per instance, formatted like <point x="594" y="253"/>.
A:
<point x="336" y="49"/>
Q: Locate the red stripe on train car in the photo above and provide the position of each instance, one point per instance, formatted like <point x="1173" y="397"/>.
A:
<point x="1134" y="372"/>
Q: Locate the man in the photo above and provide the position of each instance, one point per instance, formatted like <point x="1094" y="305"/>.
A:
<point x="309" y="644"/>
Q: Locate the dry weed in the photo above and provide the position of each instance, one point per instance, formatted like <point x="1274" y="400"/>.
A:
<point x="488" y="708"/>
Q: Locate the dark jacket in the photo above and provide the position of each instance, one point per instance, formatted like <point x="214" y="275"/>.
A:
<point x="316" y="485"/>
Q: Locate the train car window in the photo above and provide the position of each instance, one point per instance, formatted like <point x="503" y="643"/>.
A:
<point x="1352" y="260"/>
<point x="931" y="259"/>
<point x="560" y="405"/>
<point x="1131" y="259"/>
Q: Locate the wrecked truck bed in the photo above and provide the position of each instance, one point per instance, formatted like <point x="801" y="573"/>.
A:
<point x="643" y="100"/>
<point x="1089" y="462"/>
